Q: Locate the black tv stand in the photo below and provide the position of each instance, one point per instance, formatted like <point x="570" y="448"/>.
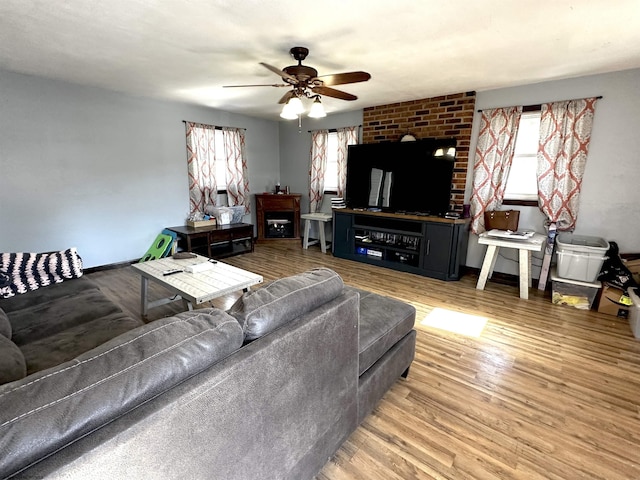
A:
<point x="426" y="245"/>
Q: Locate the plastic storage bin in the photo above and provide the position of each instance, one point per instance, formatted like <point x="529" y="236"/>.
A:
<point x="573" y="293"/>
<point x="580" y="257"/>
<point x="634" y="312"/>
<point x="226" y="215"/>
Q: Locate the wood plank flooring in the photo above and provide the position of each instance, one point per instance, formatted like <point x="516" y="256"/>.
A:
<point x="545" y="392"/>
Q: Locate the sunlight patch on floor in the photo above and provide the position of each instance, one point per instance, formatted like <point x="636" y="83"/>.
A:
<point x="455" y="322"/>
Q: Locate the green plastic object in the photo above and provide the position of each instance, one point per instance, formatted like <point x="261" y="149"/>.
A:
<point x="161" y="246"/>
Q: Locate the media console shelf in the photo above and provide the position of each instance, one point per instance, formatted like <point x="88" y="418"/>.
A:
<point x="430" y="246"/>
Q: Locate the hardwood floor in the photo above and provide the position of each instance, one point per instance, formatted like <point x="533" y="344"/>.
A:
<point x="545" y="392"/>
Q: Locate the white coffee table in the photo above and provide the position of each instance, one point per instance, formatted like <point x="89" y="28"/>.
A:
<point x="192" y="288"/>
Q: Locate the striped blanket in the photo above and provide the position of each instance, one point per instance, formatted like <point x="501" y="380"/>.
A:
<point x="24" y="272"/>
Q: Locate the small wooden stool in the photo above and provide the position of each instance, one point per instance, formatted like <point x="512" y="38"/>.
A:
<point x="321" y="218"/>
<point x="524" y="247"/>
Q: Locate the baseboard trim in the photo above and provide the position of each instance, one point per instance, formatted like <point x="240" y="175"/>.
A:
<point x="110" y="266"/>
<point x="502" y="278"/>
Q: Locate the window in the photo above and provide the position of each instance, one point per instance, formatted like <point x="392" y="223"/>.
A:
<point x="331" y="170"/>
<point x="220" y="163"/>
<point x="216" y="156"/>
<point x="522" y="184"/>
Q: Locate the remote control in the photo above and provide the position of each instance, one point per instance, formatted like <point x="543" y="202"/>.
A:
<point x="171" y="272"/>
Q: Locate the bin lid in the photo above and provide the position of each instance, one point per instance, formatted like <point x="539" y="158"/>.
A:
<point x="582" y="240"/>
<point x="556" y="278"/>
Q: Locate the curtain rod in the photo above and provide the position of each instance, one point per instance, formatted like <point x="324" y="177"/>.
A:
<point x="331" y="130"/>
<point x="214" y="126"/>
<point x="531" y="108"/>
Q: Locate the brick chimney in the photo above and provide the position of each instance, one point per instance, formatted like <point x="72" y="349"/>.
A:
<point x="439" y="117"/>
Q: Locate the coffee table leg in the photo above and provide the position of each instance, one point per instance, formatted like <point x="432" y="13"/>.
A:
<point x="187" y="304"/>
<point x="144" y="292"/>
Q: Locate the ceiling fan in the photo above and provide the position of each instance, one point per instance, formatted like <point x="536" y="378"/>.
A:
<point x="305" y="83"/>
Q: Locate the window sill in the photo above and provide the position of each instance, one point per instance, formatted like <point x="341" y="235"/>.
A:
<point x="522" y="203"/>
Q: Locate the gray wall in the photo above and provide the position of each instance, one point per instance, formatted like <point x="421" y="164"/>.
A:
<point x="295" y="151"/>
<point x="610" y="197"/>
<point x="106" y="172"/>
<point x="102" y="171"/>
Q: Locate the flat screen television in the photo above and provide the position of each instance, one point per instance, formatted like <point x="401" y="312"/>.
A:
<point x="408" y="177"/>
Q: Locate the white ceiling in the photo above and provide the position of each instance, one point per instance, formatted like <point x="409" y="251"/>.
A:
<point x="187" y="50"/>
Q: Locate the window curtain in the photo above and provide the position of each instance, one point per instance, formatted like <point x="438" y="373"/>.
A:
<point x="346" y="136"/>
<point x="565" y="132"/>
<point x="319" y="139"/>
<point x="494" y="154"/>
<point x="201" y="166"/>
<point x="237" y="175"/>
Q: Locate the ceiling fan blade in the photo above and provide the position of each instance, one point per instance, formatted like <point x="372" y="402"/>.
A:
<point x="332" y="92"/>
<point x="343" y="78"/>
<point x="285" y="98"/>
<point x="258" y="85"/>
<point x="282" y="73"/>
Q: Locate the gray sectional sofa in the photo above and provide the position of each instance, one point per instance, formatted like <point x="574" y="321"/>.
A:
<point x="268" y="390"/>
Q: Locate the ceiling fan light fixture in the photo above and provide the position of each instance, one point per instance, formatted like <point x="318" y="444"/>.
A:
<point x="296" y="106"/>
<point x="288" y="112"/>
<point x="317" y="110"/>
<point x="305" y="82"/>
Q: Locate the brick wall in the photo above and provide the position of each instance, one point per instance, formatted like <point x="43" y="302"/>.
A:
<point x="439" y="117"/>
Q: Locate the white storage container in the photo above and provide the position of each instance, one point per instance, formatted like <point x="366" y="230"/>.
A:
<point x="573" y="293"/>
<point x="580" y="257"/>
<point x="226" y="215"/>
<point x="634" y="312"/>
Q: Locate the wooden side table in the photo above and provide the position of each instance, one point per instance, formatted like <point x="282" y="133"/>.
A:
<point x="524" y="247"/>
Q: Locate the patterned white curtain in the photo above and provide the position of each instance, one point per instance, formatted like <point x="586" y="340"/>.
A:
<point x="201" y="166"/>
<point x="319" y="139"/>
<point x="565" y="132"/>
<point x="237" y="175"/>
<point x="346" y="136"/>
<point x="494" y="154"/>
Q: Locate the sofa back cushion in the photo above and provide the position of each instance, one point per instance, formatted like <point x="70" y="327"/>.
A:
<point x="12" y="364"/>
<point x="24" y="272"/>
<point x="50" y="409"/>
<point x="263" y="310"/>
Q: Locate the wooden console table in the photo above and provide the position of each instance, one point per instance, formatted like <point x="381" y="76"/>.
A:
<point x="271" y="207"/>
<point x="217" y="241"/>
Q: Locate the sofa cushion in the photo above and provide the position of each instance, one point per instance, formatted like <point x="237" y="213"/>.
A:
<point x="50" y="409"/>
<point x="30" y="271"/>
<point x="67" y="344"/>
<point x="44" y="295"/>
<point x="12" y="364"/>
<point x="383" y="322"/>
<point x="263" y="310"/>
<point x="5" y="324"/>
<point x="44" y="319"/>
<point x="57" y="323"/>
